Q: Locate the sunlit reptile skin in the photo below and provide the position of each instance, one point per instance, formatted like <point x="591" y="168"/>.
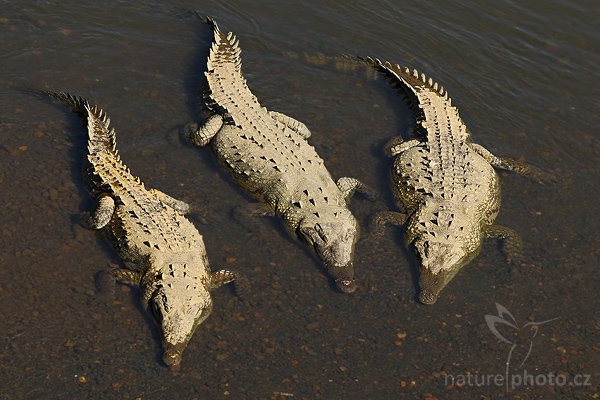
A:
<point x="161" y="250"/>
<point x="268" y="155"/>
<point x="446" y="184"/>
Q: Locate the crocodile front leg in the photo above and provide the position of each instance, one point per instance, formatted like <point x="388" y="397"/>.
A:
<point x="106" y="279"/>
<point x="246" y="214"/>
<point x="383" y="218"/>
<point x="127" y="276"/>
<point x="253" y="210"/>
<point x="202" y="136"/>
<point x="512" y="165"/>
<point x="180" y="206"/>
<point x="512" y="244"/>
<point x="291" y="123"/>
<point x="241" y="286"/>
<point x="350" y="185"/>
<point x="222" y="277"/>
<point x="103" y="213"/>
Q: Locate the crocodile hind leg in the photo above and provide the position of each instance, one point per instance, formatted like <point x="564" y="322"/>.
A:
<point x="510" y="164"/>
<point x="201" y="136"/>
<point x="180" y="206"/>
<point x="291" y="123"/>
<point x="103" y="212"/>
<point x="512" y="244"/>
<point x="397" y="146"/>
<point x="350" y="185"/>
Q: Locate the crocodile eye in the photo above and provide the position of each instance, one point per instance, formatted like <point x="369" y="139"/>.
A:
<point x="156" y="311"/>
<point x="321" y="233"/>
<point x="307" y="234"/>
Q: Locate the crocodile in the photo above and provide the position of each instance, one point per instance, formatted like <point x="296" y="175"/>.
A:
<point x="161" y="250"/>
<point x="446" y="184"/>
<point x="268" y="155"/>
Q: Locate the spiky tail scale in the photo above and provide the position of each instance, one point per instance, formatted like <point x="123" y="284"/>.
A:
<point x="408" y="83"/>
<point x="101" y="138"/>
<point x="106" y="167"/>
<point x="225" y="49"/>
<point x="226" y="84"/>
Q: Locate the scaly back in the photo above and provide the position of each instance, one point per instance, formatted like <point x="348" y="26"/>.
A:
<point x="228" y="93"/>
<point x="105" y="166"/>
<point x="438" y="122"/>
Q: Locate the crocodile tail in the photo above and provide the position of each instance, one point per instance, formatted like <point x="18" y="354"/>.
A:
<point x="225" y="50"/>
<point x="101" y="137"/>
<point x="224" y="65"/>
<point x="405" y="79"/>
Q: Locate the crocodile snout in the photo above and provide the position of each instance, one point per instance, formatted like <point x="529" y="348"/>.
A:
<point x="346" y="285"/>
<point x="172" y="358"/>
<point x="428" y="297"/>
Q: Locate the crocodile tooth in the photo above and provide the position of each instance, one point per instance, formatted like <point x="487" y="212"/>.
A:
<point x="423" y="78"/>
<point x="415" y="73"/>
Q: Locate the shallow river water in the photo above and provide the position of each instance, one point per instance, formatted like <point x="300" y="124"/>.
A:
<point x="525" y="78"/>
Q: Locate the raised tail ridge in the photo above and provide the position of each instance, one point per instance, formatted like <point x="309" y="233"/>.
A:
<point x="225" y="52"/>
<point x="404" y="76"/>
<point x="227" y="92"/>
<point x="101" y="137"/>
<point x="107" y="169"/>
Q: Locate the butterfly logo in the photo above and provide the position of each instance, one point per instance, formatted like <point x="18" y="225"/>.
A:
<point x="523" y="335"/>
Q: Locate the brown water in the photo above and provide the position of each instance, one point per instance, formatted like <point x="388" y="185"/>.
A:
<point x="526" y="80"/>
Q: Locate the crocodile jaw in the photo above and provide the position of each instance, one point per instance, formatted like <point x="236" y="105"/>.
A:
<point x="337" y="256"/>
<point x="440" y="262"/>
<point x="178" y="314"/>
<point x="333" y="241"/>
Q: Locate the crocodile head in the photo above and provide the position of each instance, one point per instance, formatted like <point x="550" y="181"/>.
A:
<point x="440" y="261"/>
<point x="333" y="240"/>
<point x="178" y="310"/>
